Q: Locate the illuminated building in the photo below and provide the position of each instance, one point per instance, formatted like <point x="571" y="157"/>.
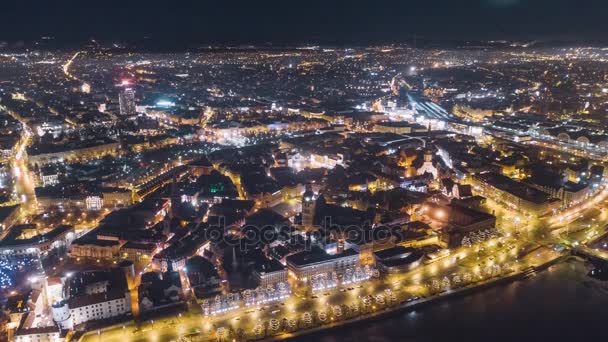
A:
<point x="117" y="197"/>
<point x="91" y="296"/>
<point x="406" y="159"/>
<point x="304" y="265"/>
<point x="201" y="167"/>
<point x="72" y="152"/>
<point x="137" y="251"/>
<point x="94" y="203"/>
<point x="44" y="334"/>
<point x="427" y="166"/>
<point x="100" y="306"/>
<point x="40" y="244"/>
<point x="126" y="101"/>
<point x="398" y="259"/>
<point x="49" y="177"/>
<point x="309" y="202"/>
<point x="398" y="127"/>
<point x="82" y="196"/>
<point x="8" y="216"/>
<point x="515" y="195"/>
<point x="269" y="272"/>
<point x="85" y="88"/>
<point x="53" y="127"/>
<point x="300" y="161"/>
<point x="363" y="182"/>
<point x="7" y="150"/>
<point x="18" y="96"/>
<point x="570" y="193"/>
<point x="462" y="221"/>
<point x="95" y="249"/>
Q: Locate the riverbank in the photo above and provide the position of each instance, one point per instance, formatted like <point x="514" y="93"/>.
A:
<point x="423" y="302"/>
<point x="187" y="325"/>
<point x="558" y="304"/>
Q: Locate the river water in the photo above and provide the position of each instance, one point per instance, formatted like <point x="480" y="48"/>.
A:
<point x="559" y="304"/>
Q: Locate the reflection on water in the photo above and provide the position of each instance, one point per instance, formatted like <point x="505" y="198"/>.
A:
<point x="560" y="304"/>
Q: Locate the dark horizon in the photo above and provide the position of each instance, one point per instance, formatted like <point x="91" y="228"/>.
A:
<point x="324" y="22"/>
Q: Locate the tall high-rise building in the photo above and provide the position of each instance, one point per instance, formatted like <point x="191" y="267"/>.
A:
<point x="126" y="100"/>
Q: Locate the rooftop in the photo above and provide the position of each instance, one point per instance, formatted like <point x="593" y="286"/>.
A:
<point x="515" y="188"/>
<point x="316" y="256"/>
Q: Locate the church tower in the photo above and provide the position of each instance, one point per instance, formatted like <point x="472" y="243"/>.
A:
<point x="309" y="203"/>
<point x="427" y="166"/>
<point x="428" y="155"/>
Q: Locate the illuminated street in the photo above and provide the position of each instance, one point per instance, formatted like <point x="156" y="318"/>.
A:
<point x="405" y="286"/>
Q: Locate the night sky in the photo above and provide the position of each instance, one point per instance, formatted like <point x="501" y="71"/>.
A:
<point x="292" y="21"/>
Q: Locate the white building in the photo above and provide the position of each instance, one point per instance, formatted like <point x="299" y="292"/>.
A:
<point x="99" y="306"/>
<point x="126" y="100"/>
<point x="94" y="203"/>
<point x="50" y="180"/>
<point x="304" y="265"/>
<point x="62" y="316"/>
<point x="45" y="334"/>
<point x="427" y="165"/>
